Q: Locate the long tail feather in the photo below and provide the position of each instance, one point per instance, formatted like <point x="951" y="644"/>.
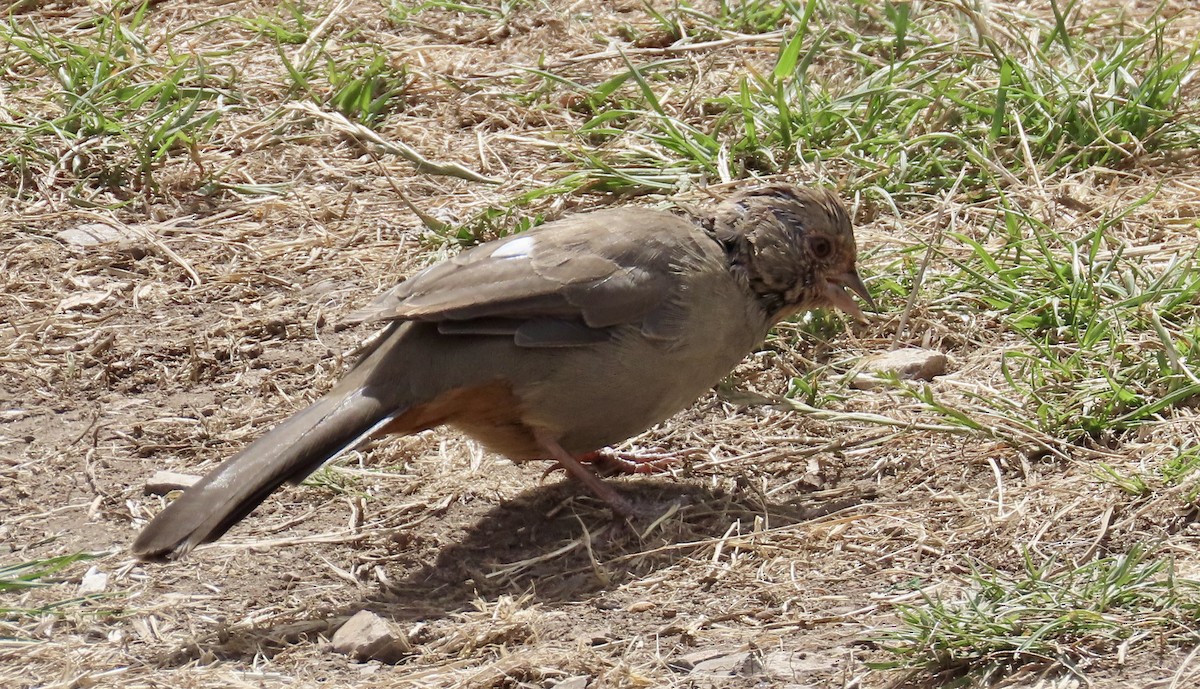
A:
<point x="289" y="452"/>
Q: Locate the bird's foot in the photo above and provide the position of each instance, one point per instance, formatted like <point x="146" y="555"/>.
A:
<point x="613" y="462"/>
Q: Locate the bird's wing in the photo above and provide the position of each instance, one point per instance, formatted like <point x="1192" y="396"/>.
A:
<point x="564" y="283"/>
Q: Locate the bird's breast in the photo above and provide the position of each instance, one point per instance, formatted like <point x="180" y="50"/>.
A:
<point x="605" y="393"/>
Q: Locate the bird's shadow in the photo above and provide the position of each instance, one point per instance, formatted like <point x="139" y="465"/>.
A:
<point x="550" y="544"/>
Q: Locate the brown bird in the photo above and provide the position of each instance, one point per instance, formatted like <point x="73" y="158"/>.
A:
<point x="553" y="343"/>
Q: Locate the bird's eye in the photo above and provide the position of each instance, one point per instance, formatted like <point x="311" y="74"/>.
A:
<point x="821" y="247"/>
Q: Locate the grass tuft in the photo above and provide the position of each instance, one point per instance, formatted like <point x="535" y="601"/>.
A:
<point x="120" y="108"/>
<point x="1046" y="614"/>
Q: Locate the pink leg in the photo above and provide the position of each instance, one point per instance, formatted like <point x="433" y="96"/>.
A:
<point x="579" y="472"/>
<point x="613" y="462"/>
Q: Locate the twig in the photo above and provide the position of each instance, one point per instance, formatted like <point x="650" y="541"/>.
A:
<point x="366" y="135"/>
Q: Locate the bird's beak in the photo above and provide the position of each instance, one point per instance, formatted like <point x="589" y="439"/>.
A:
<point x="835" y="291"/>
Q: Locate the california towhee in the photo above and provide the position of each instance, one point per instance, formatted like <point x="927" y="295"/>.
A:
<point x="553" y="343"/>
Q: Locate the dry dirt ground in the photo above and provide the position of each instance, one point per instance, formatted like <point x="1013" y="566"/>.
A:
<point x="786" y="540"/>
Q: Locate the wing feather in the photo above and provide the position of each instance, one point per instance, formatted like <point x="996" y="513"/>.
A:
<point x="561" y="284"/>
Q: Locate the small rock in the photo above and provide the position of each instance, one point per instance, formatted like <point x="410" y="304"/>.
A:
<point x="726" y="662"/>
<point x="797" y="666"/>
<point x="367" y="636"/>
<point x="83" y="301"/>
<point x="124" y="239"/>
<point x="93" y="581"/>
<point x="577" y="682"/>
<point x="91" y="234"/>
<point x="163" y="482"/>
<point x="905" y="364"/>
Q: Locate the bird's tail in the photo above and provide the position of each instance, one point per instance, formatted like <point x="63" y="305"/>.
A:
<point x="287" y="453"/>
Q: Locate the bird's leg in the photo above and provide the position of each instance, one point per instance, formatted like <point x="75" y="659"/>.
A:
<point x="610" y="462"/>
<point x="584" y="475"/>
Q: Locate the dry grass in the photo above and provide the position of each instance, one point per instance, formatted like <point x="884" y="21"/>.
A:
<point x="796" y="543"/>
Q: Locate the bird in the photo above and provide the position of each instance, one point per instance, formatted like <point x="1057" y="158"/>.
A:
<point x="553" y="343"/>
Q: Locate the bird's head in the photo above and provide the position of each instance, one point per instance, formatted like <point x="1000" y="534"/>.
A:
<point x="795" y="248"/>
